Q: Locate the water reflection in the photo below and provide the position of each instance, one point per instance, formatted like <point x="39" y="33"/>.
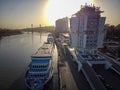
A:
<point x="40" y="37"/>
<point x="15" y="52"/>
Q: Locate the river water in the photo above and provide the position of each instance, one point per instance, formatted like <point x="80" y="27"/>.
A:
<point x="15" y="52"/>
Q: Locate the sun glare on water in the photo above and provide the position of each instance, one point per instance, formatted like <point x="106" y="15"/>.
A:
<point x="61" y="8"/>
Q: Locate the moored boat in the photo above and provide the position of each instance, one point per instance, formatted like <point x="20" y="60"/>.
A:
<point x="41" y="68"/>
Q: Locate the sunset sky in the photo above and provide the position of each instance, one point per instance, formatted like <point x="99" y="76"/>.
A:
<point x="22" y="13"/>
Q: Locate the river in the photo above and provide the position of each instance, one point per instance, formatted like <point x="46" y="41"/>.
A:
<point x="15" y="52"/>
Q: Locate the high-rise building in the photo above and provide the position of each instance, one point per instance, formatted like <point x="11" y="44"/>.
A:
<point x="87" y="29"/>
<point x="62" y="25"/>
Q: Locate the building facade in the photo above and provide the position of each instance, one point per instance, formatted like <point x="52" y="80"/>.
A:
<point x="62" y="25"/>
<point x="87" y="29"/>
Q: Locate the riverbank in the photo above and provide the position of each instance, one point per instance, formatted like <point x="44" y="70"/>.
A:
<point x="7" y="32"/>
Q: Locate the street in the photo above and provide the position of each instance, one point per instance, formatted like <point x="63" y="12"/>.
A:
<point x="70" y="78"/>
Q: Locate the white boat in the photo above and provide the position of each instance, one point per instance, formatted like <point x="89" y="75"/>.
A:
<point x="41" y="68"/>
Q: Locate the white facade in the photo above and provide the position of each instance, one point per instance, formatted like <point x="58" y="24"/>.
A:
<point x="102" y="32"/>
<point x="62" y="25"/>
<point x="73" y="31"/>
<point x="87" y="29"/>
<point x="73" y="39"/>
<point x="74" y="24"/>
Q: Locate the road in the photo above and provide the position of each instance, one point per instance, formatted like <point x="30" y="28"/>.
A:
<point x="70" y="78"/>
<point x="67" y="81"/>
<point x="115" y="65"/>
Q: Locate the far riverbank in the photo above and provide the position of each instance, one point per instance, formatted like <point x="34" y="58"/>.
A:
<point x="6" y="32"/>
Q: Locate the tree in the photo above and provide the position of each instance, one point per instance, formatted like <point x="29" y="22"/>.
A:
<point x="110" y="30"/>
<point x="118" y="52"/>
<point x="118" y="26"/>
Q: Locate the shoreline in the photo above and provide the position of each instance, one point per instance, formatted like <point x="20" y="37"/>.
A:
<point x="4" y="33"/>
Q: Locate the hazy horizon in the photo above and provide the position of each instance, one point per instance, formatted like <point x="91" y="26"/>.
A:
<point x="18" y="14"/>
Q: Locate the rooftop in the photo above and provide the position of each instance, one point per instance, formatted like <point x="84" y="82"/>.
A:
<point x="88" y="9"/>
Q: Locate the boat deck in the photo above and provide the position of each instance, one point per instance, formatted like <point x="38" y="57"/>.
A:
<point x="44" y="51"/>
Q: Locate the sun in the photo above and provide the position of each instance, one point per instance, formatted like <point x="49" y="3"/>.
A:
<point x="61" y="8"/>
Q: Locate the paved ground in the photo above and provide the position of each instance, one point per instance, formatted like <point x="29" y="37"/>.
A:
<point x="78" y="76"/>
<point x="70" y="78"/>
<point x="55" y="66"/>
<point x="67" y="81"/>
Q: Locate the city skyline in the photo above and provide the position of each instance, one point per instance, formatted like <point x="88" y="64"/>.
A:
<point x="21" y="14"/>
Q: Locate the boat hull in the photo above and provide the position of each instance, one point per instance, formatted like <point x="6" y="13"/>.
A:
<point x="40" y="85"/>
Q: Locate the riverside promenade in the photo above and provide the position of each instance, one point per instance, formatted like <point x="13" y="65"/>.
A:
<point x="67" y="81"/>
<point x="69" y="77"/>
